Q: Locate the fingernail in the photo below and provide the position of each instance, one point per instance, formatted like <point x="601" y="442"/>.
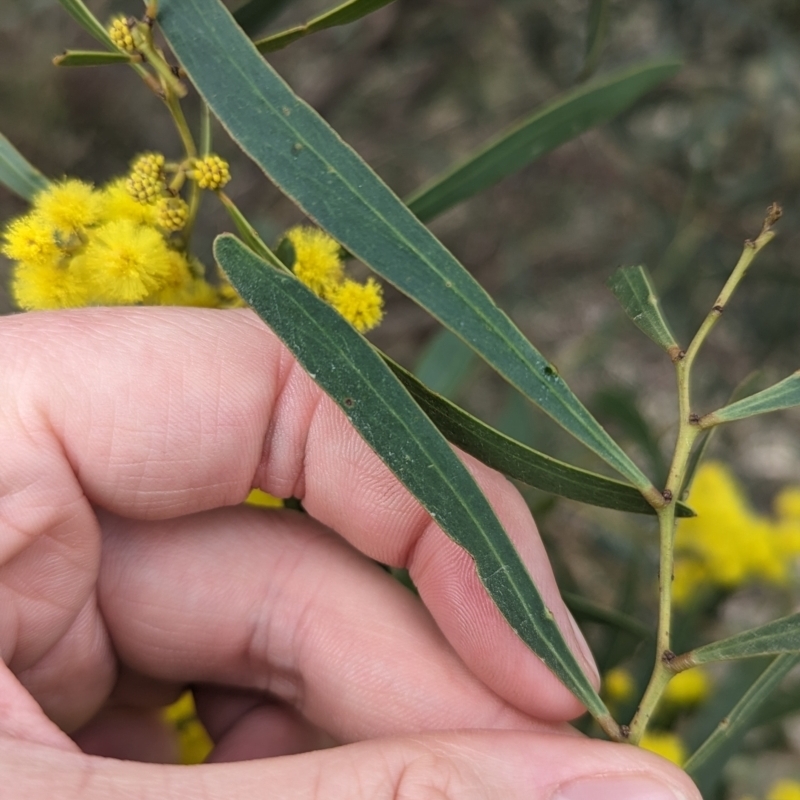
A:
<point x="585" y="650"/>
<point x="636" y="787"/>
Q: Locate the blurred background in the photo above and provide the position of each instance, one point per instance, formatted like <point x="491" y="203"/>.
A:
<point x="677" y="183"/>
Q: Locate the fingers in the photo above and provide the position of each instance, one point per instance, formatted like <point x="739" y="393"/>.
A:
<point x="473" y="765"/>
<point x="275" y="602"/>
<point x="155" y="413"/>
<point x="245" y="726"/>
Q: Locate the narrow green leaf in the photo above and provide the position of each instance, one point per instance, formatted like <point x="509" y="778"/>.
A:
<point x="583" y="608"/>
<point x="91" y="58"/>
<point x="785" y="394"/>
<point x="520" y="462"/>
<point x="445" y="364"/>
<point x="779" y="636"/>
<point x="632" y="287"/>
<point x="351" y="372"/>
<point x="706" y="763"/>
<point x="17" y="174"/>
<point x="80" y="13"/>
<point x="327" y="179"/>
<point x="256" y="14"/>
<point x="341" y="15"/>
<point x="597" y="28"/>
<point x="560" y="121"/>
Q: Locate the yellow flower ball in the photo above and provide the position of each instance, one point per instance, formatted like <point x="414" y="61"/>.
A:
<point x="619" y="685"/>
<point x="317" y="259"/>
<point x="360" y="304"/>
<point x="69" y="207"/>
<point x="36" y="287"/>
<point x="211" y="172"/>
<point x="32" y="240"/>
<point x="666" y="745"/>
<point x="787" y="503"/>
<point x="688" y="688"/>
<point x="123" y="263"/>
<point x="120" y="32"/>
<point x="784" y="790"/>
<point x="116" y="202"/>
<point x="173" y="213"/>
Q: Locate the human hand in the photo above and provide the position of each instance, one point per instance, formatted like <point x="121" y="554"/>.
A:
<point x="128" y="569"/>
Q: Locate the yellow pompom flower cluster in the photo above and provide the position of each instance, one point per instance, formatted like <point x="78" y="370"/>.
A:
<point x="146" y="182"/>
<point x="618" y="685"/>
<point x="81" y="246"/>
<point x="120" y="32"/>
<point x="687" y="689"/>
<point x="318" y="264"/>
<point x="784" y="790"/>
<point x="728" y="544"/>
<point x="666" y="745"/>
<point x="173" y="213"/>
<point x="211" y="172"/>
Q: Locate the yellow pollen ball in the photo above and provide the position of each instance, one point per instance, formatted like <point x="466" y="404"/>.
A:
<point x="123" y="263"/>
<point x="116" y="203"/>
<point x="211" y="172"/>
<point x="619" y="684"/>
<point x="69" y="207"/>
<point x="36" y="287"/>
<point x="666" y="745"/>
<point x="317" y="262"/>
<point x="173" y="213"/>
<point x="360" y="304"/>
<point x="784" y="790"/>
<point x="149" y="164"/>
<point x="32" y="240"/>
<point x="688" y="688"/>
<point x="120" y="32"/>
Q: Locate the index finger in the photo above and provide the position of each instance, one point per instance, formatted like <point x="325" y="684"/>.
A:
<point x="159" y="412"/>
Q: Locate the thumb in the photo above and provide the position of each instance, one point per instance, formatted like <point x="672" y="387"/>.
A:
<point x="472" y="765"/>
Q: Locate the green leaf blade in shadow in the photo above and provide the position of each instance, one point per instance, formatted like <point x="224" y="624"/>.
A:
<point x="351" y="372"/>
<point x="18" y="174"/>
<point x="91" y="58"/>
<point x="785" y="394"/>
<point x="305" y="157"/>
<point x="341" y="15"/>
<point x="560" y="121"/>
<point x="632" y="287"/>
<point x="773" y="638"/>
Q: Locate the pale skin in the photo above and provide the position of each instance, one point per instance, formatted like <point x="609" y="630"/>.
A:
<point x="129" y="569"/>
